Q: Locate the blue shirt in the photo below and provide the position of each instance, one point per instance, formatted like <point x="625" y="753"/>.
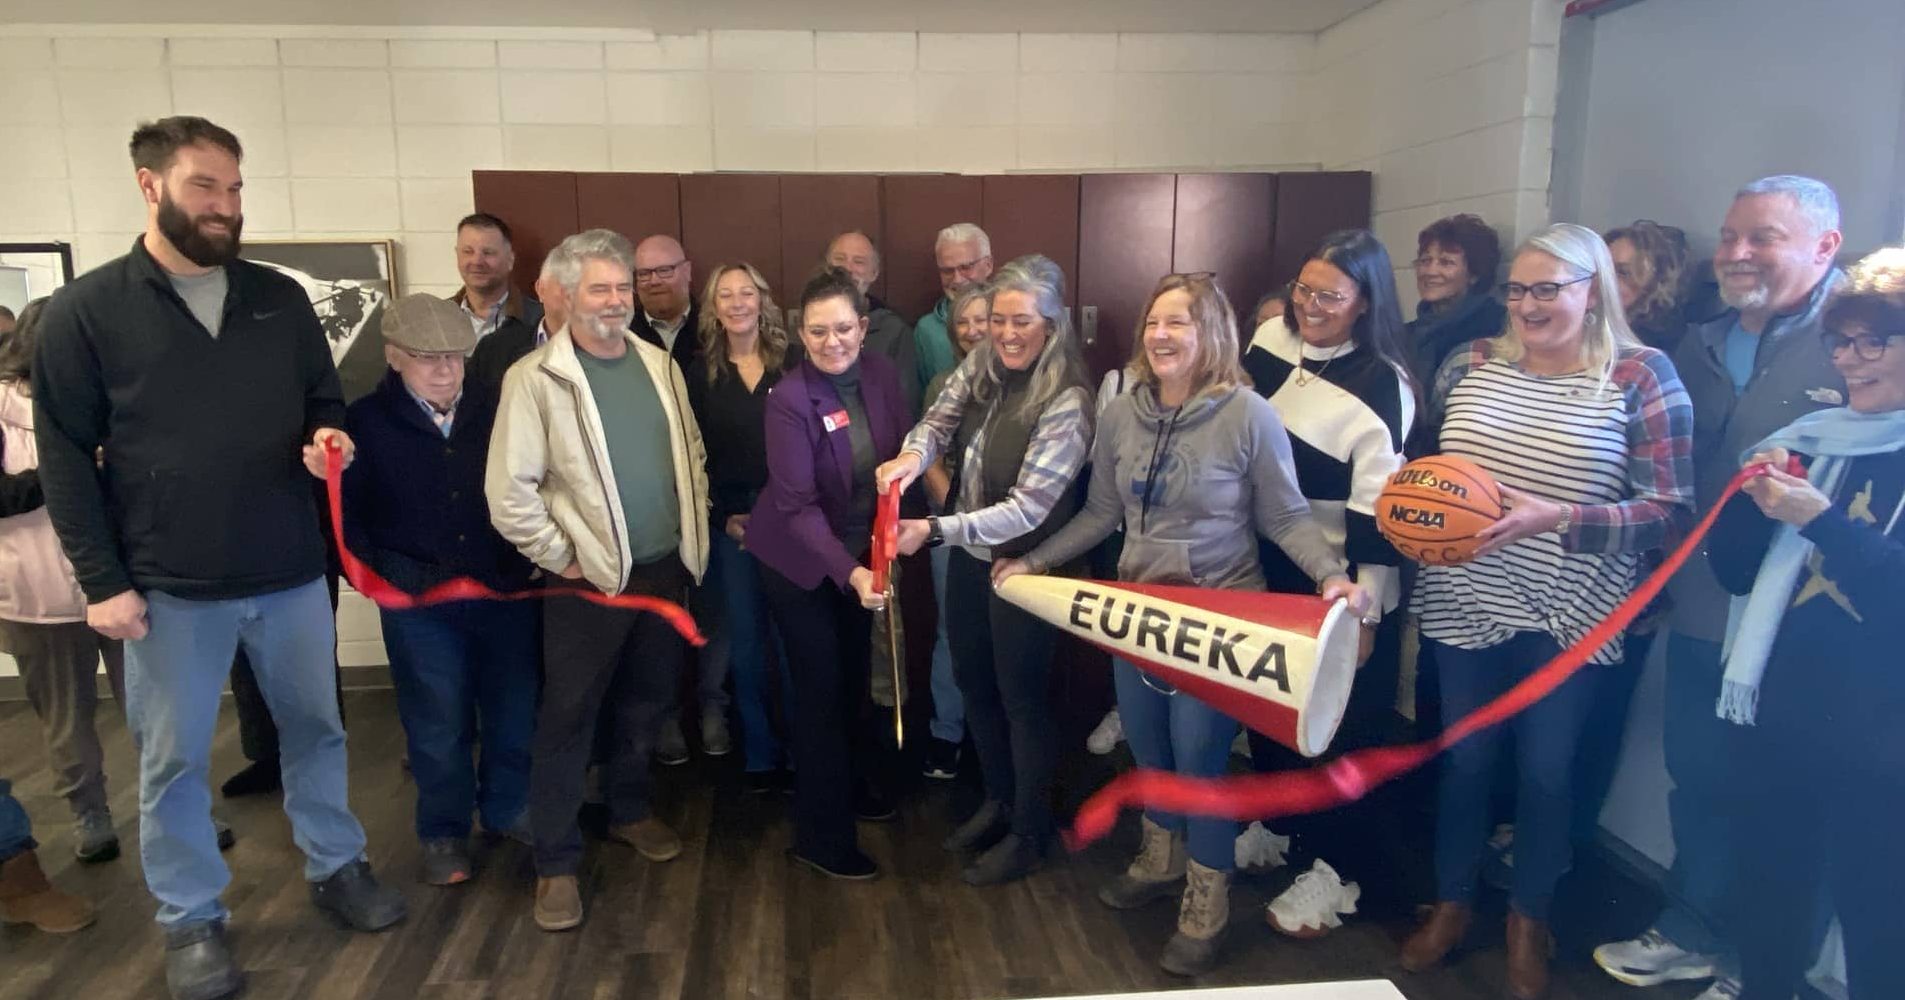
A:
<point x="1739" y="352"/>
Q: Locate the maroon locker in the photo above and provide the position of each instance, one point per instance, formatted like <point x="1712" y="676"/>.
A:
<point x="1034" y="213"/>
<point x="917" y="207"/>
<point x="1224" y="225"/>
<point x="540" y="207"/>
<point x="1311" y="206"/>
<point x="814" y="209"/>
<point x="636" y="205"/>
<point x="1125" y="224"/>
<point x="729" y="218"/>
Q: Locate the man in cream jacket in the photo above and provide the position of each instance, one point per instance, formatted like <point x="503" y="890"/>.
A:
<point x="597" y="474"/>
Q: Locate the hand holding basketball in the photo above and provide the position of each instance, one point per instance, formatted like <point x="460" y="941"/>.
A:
<point x="1527" y="516"/>
<point x="1435" y="508"/>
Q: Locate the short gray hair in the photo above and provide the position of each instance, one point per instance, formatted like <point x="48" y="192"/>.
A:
<point x="863" y="235"/>
<point x="964" y="232"/>
<point x="552" y="266"/>
<point x="1813" y="197"/>
<point x="594" y="244"/>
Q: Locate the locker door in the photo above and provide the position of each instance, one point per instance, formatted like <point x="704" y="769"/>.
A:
<point x="728" y="218"/>
<point x="814" y="209"/>
<point x="1310" y="206"/>
<point x="916" y="208"/>
<point x="1125" y="225"/>
<point x="540" y="207"/>
<point x="1034" y="213"/>
<point x="636" y="205"/>
<point x="1225" y="223"/>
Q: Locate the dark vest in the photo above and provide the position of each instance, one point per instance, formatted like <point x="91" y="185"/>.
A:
<point x="1008" y="433"/>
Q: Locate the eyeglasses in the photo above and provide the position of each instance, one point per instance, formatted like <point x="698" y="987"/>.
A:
<point x="662" y="273"/>
<point x="1543" y="291"/>
<point x="1328" y="299"/>
<point x="452" y="359"/>
<point x="962" y="270"/>
<point x="1867" y="346"/>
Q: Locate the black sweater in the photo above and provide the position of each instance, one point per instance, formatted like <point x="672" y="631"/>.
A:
<point x="203" y="493"/>
<point x="732" y="422"/>
<point x="1833" y="683"/>
<point x="413" y="501"/>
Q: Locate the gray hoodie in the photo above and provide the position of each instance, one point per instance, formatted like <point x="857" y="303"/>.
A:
<point x="1224" y="475"/>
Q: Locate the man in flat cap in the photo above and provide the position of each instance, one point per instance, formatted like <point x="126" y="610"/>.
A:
<point x="414" y="511"/>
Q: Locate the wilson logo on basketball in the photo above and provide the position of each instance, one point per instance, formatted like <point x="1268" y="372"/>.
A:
<point x="1432" y="508"/>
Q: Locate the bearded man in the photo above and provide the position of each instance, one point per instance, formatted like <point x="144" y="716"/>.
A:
<point x="207" y="382"/>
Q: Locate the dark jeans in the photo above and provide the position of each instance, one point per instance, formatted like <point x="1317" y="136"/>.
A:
<point x="1703" y="754"/>
<point x="829" y="639"/>
<point x="597" y="660"/>
<point x="1546" y="738"/>
<point x="462" y="670"/>
<point x="257" y="733"/>
<point x="753" y="644"/>
<point x="1600" y="753"/>
<point x="1002" y="658"/>
<point x="1816" y="818"/>
<point x="16" y="831"/>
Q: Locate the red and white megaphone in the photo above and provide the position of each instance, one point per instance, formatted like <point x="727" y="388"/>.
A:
<point x="1281" y="664"/>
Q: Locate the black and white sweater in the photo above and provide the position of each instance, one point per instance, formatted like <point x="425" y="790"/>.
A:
<point x="1348" y="416"/>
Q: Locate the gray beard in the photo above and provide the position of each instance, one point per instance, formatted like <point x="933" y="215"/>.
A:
<point x="1754" y="298"/>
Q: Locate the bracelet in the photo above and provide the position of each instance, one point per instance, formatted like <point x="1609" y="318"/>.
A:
<point x="1567" y="519"/>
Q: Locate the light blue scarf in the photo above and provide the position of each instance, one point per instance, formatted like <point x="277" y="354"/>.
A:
<point x="1833" y="438"/>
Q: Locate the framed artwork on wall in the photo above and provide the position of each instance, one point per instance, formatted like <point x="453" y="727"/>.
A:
<point x="349" y="283"/>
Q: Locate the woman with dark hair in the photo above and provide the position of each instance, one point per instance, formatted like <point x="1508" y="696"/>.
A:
<point x="1334" y="369"/>
<point x="1651" y="262"/>
<point x="744" y="350"/>
<point x="1455" y="265"/>
<point x="829" y="423"/>
<point x="1196" y="468"/>
<point x="1812" y="658"/>
<point x="43" y="614"/>
<point x="1016" y="418"/>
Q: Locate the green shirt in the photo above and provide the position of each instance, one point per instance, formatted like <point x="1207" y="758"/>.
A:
<point x="935" y="347"/>
<point x="641" y="456"/>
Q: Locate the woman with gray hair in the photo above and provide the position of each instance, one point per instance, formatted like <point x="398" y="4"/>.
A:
<point x="1016" y="419"/>
<point x="1590" y="435"/>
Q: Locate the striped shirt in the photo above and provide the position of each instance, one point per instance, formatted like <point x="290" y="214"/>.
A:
<point x="1348" y="414"/>
<point x="1060" y="446"/>
<point x="1620" y="454"/>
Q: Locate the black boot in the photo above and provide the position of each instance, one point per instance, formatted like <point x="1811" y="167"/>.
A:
<point x="258" y="778"/>
<point x="981" y="830"/>
<point x="198" y="965"/>
<point x="353" y="895"/>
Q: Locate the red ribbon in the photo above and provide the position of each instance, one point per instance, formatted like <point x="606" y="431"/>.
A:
<point x="886" y="539"/>
<point x="1351" y="776"/>
<point x="381" y="591"/>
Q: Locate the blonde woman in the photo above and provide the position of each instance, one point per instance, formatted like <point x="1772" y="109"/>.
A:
<point x="1195" y="465"/>
<point x="744" y="350"/>
<point x="1590" y="435"/>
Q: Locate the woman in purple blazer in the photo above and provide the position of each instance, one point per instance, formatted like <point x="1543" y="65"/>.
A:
<point x="830" y="422"/>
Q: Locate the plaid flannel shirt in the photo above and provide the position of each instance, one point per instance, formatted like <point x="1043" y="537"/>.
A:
<point x="1059" y="448"/>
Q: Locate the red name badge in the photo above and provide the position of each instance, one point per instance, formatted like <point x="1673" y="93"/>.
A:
<point x="834" y="421"/>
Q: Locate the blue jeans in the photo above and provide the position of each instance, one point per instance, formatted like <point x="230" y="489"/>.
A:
<point x="16" y="831"/>
<point x="1545" y="738"/>
<point x="949" y="707"/>
<point x="461" y="670"/>
<point x="1176" y="732"/>
<point x="173" y="680"/>
<point x="749" y="634"/>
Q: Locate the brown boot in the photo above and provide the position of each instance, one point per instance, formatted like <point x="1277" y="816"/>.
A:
<point x="1439" y="934"/>
<point x="26" y="897"/>
<point x="651" y="838"/>
<point x="1529" y="946"/>
<point x="1156" y="873"/>
<point x="558" y="903"/>
<point x="1202" y="918"/>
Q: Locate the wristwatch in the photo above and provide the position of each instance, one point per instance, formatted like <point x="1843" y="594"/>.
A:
<point x="934" y="537"/>
<point x="1567" y="519"/>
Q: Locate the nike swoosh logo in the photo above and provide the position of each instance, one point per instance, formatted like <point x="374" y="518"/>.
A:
<point x="266" y="315"/>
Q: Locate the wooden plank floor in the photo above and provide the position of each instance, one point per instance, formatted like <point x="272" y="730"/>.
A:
<point x="730" y="918"/>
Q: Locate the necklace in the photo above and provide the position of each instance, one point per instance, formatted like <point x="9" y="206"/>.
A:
<point x="1304" y="376"/>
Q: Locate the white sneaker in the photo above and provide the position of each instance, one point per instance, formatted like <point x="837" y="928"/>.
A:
<point x="1259" y="850"/>
<point x="1240" y="747"/>
<point x="1315" y="903"/>
<point x="1723" y="988"/>
<point x="1107" y="736"/>
<point x="1652" y="959"/>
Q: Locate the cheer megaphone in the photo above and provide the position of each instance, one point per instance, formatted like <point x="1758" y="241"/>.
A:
<point x="1281" y="664"/>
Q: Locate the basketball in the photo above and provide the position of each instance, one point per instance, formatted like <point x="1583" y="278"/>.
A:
<point x="1432" y="508"/>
